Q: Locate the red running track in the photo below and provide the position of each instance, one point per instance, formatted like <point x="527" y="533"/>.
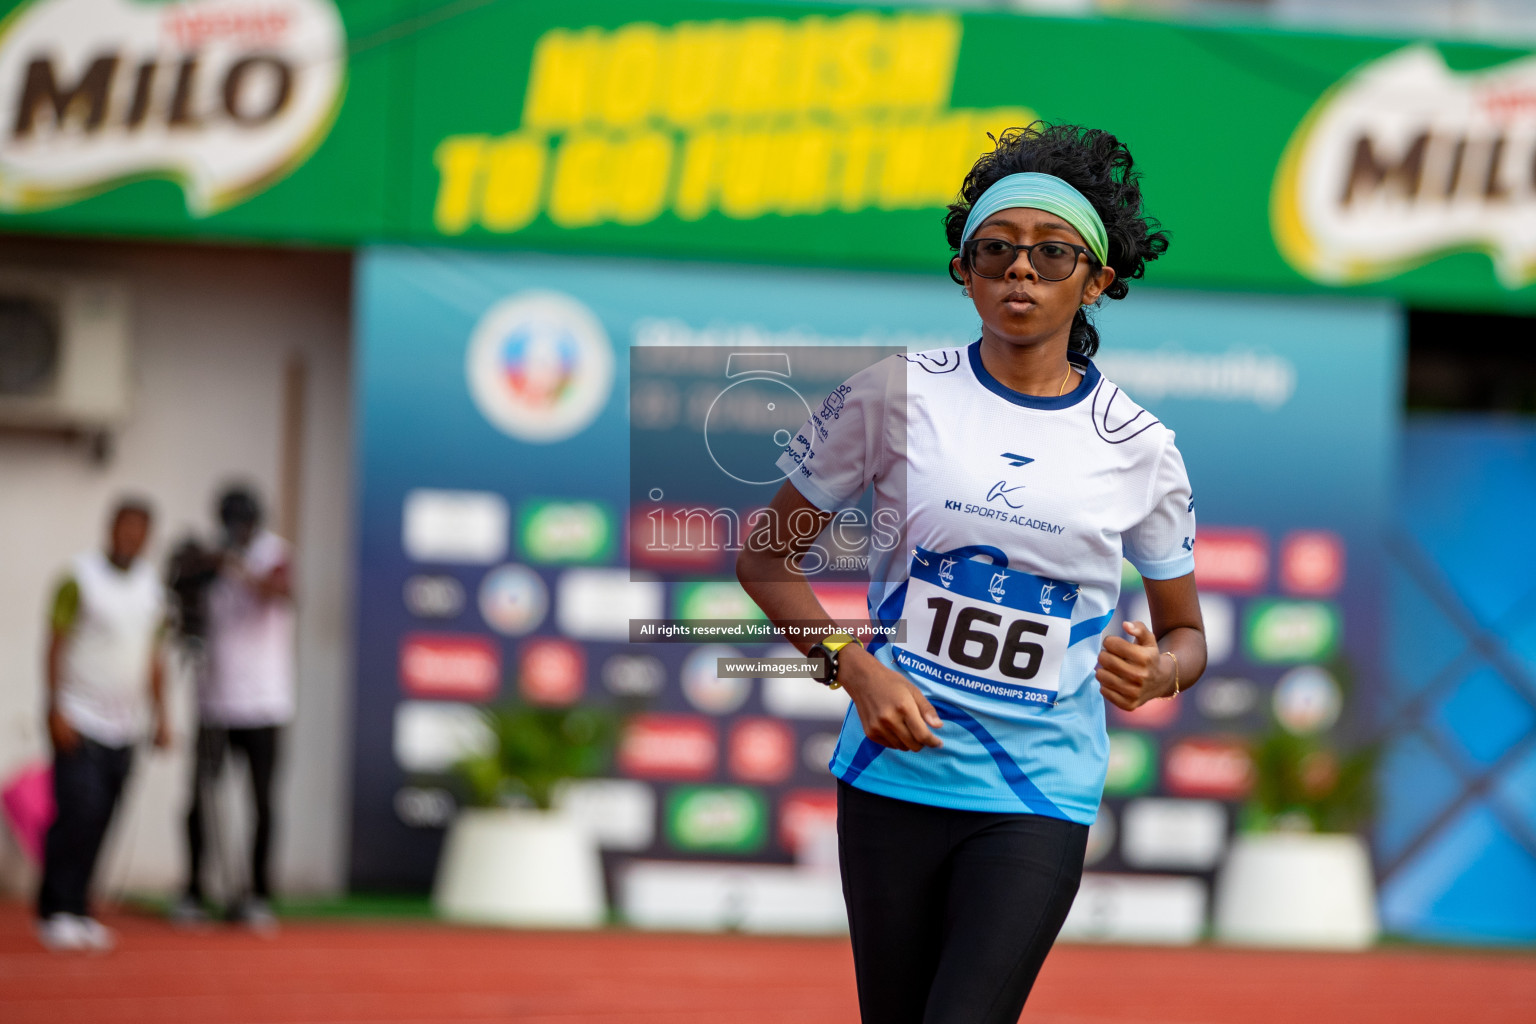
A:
<point x="405" y="973"/>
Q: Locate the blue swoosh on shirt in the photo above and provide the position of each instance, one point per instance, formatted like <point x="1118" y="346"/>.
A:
<point x="1088" y="627"/>
<point x="1028" y="793"/>
<point x="888" y="614"/>
<point x="1034" y="801"/>
<point x="867" y="752"/>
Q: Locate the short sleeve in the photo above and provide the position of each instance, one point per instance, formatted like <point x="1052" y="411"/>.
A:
<point x="1162" y="545"/>
<point x="66" y="606"/>
<point x="843" y="446"/>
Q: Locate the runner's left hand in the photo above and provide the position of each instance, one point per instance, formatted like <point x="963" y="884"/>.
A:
<point x="1130" y="674"/>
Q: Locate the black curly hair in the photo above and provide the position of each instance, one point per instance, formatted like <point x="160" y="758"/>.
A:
<point x="1100" y="167"/>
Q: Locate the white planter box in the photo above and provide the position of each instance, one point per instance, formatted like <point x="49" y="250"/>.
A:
<point x="1150" y="909"/>
<point x="1302" y="890"/>
<point x="710" y="897"/>
<point x="511" y="866"/>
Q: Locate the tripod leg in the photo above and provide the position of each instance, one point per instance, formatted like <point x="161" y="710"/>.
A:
<point x="213" y="743"/>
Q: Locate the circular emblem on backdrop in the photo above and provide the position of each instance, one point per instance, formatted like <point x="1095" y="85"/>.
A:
<point x="1227" y="698"/>
<point x="703" y="686"/>
<point x="1307" y="700"/>
<point x="762" y="750"/>
<point x="551" y="672"/>
<point x="424" y="807"/>
<point x="434" y="597"/>
<point x="513" y="600"/>
<point x="633" y="675"/>
<point x="540" y="366"/>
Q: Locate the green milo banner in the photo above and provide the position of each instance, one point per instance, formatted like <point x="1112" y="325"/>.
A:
<point x="757" y="132"/>
<point x="228" y="119"/>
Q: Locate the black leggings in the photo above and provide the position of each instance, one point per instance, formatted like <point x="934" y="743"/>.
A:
<point x="951" y="912"/>
<point x="259" y="746"/>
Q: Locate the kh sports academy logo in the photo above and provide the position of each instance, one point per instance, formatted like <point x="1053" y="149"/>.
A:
<point x="540" y="366"/>
<point x="224" y="97"/>
<point x="1406" y="160"/>
<point x="1001" y="488"/>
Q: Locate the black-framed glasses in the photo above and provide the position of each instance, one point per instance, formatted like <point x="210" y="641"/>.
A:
<point x="1053" y="261"/>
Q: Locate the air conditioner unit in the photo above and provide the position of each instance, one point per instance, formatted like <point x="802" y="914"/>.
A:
<point x="64" y="351"/>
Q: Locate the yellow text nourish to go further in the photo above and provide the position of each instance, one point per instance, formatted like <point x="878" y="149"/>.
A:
<point x="741" y="118"/>
<point x="695" y="72"/>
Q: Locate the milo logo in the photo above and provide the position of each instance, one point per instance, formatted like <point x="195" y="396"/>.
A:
<point x="1406" y="160"/>
<point x="222" y="96"/>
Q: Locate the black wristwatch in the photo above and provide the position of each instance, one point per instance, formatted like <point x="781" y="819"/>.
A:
<point x="827" y="650"/>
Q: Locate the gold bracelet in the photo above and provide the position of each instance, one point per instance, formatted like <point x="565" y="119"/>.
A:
<point x="1175" y="692"/>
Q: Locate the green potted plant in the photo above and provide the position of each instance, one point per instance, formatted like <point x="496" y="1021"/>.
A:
<point x="1308" y="783"/>
<point x="1298" y="873"/>
<point x="512" y="856"/>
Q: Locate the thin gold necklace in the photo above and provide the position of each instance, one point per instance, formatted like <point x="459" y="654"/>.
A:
<point x="1064" y="381"/>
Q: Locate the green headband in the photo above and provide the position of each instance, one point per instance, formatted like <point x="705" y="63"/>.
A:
<point x="1041" y="192"/>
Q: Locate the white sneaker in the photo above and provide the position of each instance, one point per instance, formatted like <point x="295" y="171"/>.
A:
<point x="98" y="937"/>
<point x="256" y="914"/>
<point x="62" y="933"/>
<point x="187" y="912"/>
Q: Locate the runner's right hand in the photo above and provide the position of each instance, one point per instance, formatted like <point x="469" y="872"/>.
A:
<point x="893" y="712"/>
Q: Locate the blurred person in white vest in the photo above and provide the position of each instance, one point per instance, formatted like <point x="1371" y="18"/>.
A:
<point x="105" y="678"/>
<point x="245" y="696"/>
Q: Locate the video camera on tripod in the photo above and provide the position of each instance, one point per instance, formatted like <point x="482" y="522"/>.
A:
<point x="189" y="575"/>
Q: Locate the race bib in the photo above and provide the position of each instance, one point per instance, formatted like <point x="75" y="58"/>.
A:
<point x="985" y="628"/>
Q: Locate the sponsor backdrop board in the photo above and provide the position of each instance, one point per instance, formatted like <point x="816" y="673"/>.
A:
<point x="759" y="132"/>
<point x="493" y="453"/>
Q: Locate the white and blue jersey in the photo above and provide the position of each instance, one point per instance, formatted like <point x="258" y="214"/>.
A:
<point x="1017" y="511"/>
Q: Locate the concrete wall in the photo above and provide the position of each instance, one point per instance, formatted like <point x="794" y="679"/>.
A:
<point x="213" y="331"/>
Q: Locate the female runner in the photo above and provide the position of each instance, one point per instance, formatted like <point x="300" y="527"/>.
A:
<point x="972" y="760"/>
